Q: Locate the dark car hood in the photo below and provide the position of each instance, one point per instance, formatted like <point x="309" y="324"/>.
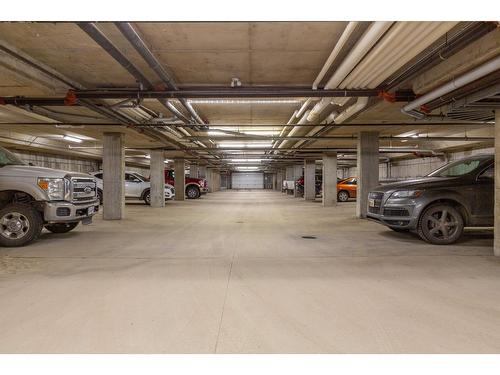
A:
<point x="420" y="183"/>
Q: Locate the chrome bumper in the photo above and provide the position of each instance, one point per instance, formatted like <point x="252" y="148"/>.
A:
<point x="58" y="212"/>
<point x="203" y="190"/>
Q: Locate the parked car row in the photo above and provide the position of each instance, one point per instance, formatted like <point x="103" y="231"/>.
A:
<point x="346" y="187"/>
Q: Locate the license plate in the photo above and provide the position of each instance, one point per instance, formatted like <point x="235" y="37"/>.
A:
<point x="87" y="221"/>
<point x="371" y="202"/>
<point x="90" y="210"/>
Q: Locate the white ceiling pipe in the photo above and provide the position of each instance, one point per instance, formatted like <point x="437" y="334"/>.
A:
<point x="402" y="43"/>
<point x="474" y="74"/>
<point x="361" y="103"/>
<point x="346" y="34"/>
<point x="294" y="130"/>
<point x="302" y="109"/>
<point x="367" y="41"/>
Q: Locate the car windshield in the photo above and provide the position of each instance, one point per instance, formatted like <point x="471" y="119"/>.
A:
<point x="8" y="158"/>
<point x="457" y="168"/>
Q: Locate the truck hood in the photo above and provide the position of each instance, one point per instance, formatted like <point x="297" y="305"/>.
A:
<point x="32" y="171"/>
<point x="419" y="183"/>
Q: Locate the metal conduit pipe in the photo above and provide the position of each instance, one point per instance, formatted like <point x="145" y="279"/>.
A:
<point x="140" y="46"/>
<point x="474" y="74"/>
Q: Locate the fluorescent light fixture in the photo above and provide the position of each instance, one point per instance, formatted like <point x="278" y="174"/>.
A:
<point x="168" y="161"/>
<point x="255" y="144"/>
<point x="246" y="160"/>
<point x="147" y="156"/>
<point x="244" y="101"/>
<point x="247" y="168"/>
<point x="404" y="140"/>
<point x="69" y="138"/>
<point x="261" y="132"/>
<point x="215" y="132"/>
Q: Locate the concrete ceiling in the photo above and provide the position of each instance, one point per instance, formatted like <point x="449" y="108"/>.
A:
<point x="198" y="54"/>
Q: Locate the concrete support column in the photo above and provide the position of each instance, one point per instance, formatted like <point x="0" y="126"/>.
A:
<point x="309" y="180"/>
<point x="210" y="180"/>
<point x="180" y="179"/>
<point x="279" y="180"/>
<point x="368" y="144"/>
<point x="330" y="179"/>
<point x="157" y="175"/>
<point x="202" y="171"/>
<point x="113" y="167"/>
<point x="194" y="170"/>
<point x="496" y="243"/>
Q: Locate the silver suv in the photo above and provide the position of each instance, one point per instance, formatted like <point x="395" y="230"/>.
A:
<point x="34" y="197"/>
<point x="440" y="205"/>
<point x="136" y="187"/>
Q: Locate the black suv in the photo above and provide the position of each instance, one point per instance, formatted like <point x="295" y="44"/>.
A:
<point x="440" y="205"/>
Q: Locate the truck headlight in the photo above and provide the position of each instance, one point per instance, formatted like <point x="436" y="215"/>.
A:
<point x="54" y="187"/>
<point x="406" y="194"/>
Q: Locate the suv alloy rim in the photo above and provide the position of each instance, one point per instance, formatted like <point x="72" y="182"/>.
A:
<point x="14" y="225"/>
<point x="442" y="224"/>
<point x="343" y="196"/>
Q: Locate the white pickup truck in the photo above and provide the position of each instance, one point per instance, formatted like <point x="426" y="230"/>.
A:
<point x="136" y="187"/>
<point x="34" y="197"/>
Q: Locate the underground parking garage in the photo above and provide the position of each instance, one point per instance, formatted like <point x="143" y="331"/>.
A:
<point x="249" y="187"/>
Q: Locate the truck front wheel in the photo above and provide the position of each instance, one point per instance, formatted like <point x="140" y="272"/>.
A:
<point x="192" y="192"/>
<point x="61" y="227"/>
<point x="20" y="224"/>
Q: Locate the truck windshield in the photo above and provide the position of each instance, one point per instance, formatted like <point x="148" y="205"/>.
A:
<point x="8" y="158"/>
<point x="457" y="168"/>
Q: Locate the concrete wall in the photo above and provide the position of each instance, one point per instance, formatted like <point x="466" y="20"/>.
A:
<point x="66" y="163"/>
<point x="419" y="167"/>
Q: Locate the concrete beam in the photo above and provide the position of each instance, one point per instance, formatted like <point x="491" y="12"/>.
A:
<point x="368" y="158"/>
<point x="113" y="167"/>
<point x="496" y="246"/>
<point x="157" y="173"/>
<point x="309" y="180"/>
<point x="329" y="179"/>
<point x="180" y="179"/>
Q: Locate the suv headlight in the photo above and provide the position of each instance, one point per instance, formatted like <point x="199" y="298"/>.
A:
<point x="406" y="194"/>
<point x="54" y="187"/>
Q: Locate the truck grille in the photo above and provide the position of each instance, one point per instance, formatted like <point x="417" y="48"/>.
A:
<point x="374" y="210"/>
<point x="83" y="189"/>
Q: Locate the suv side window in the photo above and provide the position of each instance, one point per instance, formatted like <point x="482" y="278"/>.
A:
<point x="488" y="173"/>
<point x="131" y="178"/>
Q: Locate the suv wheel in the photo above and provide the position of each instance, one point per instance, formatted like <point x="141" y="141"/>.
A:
<point x="440" y="224"/>
<point x="192" y="192"/>
<point x="147" y="197"/>
<point x="343" y="196"/>
<point x="20" y="224"/>
<point x="61" y="227"/>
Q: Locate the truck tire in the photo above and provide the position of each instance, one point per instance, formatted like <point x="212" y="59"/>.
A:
<point x="100" y="196"/>
<point x="20" y="224"/>
<point x="192" y="192"/>
<point x="146" y="196"/>
<point x="61" y="227"/>
<point x="343" y="196"/>
<point x="440" y="224"/>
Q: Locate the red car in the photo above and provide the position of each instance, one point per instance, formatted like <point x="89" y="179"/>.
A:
<point x="194" y="186"/>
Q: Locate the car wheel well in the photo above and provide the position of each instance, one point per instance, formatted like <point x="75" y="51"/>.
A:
<point x="455" y="204"/>
<point x="145" y="192"/>
<point x="15" y="196"/>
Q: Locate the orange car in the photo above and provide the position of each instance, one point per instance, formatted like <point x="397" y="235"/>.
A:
<point x="347" y="188"/>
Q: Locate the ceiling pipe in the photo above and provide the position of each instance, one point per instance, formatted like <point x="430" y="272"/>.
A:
<point x="140" y="46"/>
<point x="98" y="36"/>
<point x="346" y="34"/>
<point x="474" y="74"/>
<point x="362" y="47"/>
<point x="343" y="137"/>
<point x="347" y="113"/>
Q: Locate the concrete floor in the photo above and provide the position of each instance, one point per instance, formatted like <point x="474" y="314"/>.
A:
<point x="230" y="273"/>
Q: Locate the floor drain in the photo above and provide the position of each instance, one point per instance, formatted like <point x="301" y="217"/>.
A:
<point x="239" y="222"/>
<point x="309" y="237"/>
